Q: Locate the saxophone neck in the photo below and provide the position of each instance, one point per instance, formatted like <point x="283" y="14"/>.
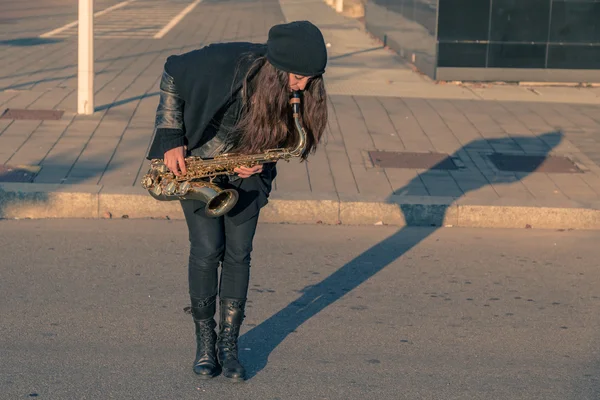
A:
<point x="295" y="102"/>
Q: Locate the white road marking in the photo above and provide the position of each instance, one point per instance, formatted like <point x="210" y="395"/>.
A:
<point x="136" y="19"/>
<point x="176" y="20"/>
<point x="97" y="14"/>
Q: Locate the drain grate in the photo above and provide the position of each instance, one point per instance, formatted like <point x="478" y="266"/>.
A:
<point x="13" y="113"/>
<point x="18" y="173"/>
<point x="530" y="163"/>
<point x="390" y="159"/>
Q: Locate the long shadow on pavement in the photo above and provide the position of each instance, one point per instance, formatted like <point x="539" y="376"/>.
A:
<point x="264" y="338"/>
<point x="125" y="101"/>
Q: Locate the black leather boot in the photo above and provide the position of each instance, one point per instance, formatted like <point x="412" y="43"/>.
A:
<point x="232" y="315"/>
<point x="206" y="365"/>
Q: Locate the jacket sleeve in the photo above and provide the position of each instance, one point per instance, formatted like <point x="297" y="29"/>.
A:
<point x="169" y="124"/>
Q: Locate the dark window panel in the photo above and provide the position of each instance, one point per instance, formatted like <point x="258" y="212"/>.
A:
<point x="463" y="19"/>
<point x="462" y="55"/>
<point x="520" y="20"/>
<point x="574" y="57"/>
<point x="575" y="22"/>
<point x="517" y="55"/>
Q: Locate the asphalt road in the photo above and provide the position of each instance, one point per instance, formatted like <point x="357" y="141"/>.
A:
<point x="95" y="310"/>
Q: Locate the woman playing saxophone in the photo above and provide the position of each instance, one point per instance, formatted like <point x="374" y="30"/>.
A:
<point x="235" y="98"/>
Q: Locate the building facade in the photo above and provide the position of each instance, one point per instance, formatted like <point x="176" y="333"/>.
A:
<point x="493" y="40"/>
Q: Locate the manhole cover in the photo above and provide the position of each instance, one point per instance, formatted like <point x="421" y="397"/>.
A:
<point x="390" y="159"/>
<point x="18" y="173"/>
<point x="528" y="163"/>
<point x="13" y="113"/>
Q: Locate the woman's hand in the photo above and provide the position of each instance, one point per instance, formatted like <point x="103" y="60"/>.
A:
<point x="175" y="160"/>
<point x="245" y="172"/>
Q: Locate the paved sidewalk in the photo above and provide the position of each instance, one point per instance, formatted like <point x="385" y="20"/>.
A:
<point x="90" y="166"/>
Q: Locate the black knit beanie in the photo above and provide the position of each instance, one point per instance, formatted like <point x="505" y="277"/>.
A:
<point x="297" y="47"/>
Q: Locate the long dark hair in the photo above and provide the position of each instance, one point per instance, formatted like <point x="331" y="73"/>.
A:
<point x="266" y="121"/>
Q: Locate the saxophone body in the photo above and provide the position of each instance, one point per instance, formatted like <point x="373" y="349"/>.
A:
<point x="164" y="185"/>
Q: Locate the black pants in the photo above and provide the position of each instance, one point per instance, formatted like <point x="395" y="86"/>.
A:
<point x="214" y="241"/>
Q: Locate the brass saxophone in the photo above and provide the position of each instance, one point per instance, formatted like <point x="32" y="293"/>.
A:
<point x="164" y="185"/>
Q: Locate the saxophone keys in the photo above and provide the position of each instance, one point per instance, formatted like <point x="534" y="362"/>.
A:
<point x="162" y="168"/>
<point x="156" y="190"/>
<point x="147" y="182"/>
<point x="171" y="188"/>
<point x="184" y="188"/>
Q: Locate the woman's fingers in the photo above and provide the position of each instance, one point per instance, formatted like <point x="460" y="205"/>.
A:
<point x="245" y="172"/>
<point x="181" y="163"/>
<point x="175" y="160"/>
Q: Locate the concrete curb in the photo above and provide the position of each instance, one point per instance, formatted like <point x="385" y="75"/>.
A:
<point x="35" y="201"/>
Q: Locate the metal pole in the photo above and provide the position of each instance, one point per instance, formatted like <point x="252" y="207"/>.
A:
<point x="85" y="71"/>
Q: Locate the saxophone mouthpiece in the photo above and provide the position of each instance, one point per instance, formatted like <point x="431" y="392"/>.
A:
<point x="295" y="101"/>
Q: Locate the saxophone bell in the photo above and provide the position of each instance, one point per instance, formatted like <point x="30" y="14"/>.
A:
<point x="217" y="201"/>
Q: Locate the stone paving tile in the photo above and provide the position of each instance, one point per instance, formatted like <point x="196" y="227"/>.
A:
<point x="50" y="99"/>
<point x="47" y="76"/>
<point x="7" y="95"/>
<point x="481" y="162"/>
<point x="468" y="179"/>
<point x="433" y="126"/>
<point x="574" y="186"/>
<point x="25" y="71"/>
<point x="406" y="124"/>
<point x="508" y="185"/>
<point x="458" y="124"/>
<point x="126" y="162"/>
<point x="540" y="185"/>
<point x="581" y="120"/>
<point x="406" y="182"/>
<point x="9" y="145"/>
<point x="551" y="116"/>
<point x="24" y="99"/>
<point x="332" y="134"/>
<point x="484" y="193"/>
<point x="371" y="181"/>
<point x="588" y="111"/>
<point x="32" y="152"/>
<point x="81" y="128"/>
<point x="292" y="177"/>
<point x="378" y="124"/>
<point x="593" y="180"/>
<point x="335" y="148"/>
<point x="440" y="183"/>
<point x="352" y="127"/>
<point x="319" y="172"/>
<point x="21" y="128"/>
<point x="341" y="171"/>
<point x="60" y="159"/>
<point x="533" y="122"/>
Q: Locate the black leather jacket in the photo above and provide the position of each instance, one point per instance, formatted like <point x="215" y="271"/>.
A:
<point x="218" y="137"/>
<point x="169" y="113"/>
<point x="195" y="87"/>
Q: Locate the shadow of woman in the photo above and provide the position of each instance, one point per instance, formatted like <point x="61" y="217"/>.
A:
<point x="264" y="338"/>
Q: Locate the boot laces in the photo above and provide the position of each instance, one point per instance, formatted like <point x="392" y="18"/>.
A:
<point x="229" y="340"/>
<point x="206" y="332"/>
